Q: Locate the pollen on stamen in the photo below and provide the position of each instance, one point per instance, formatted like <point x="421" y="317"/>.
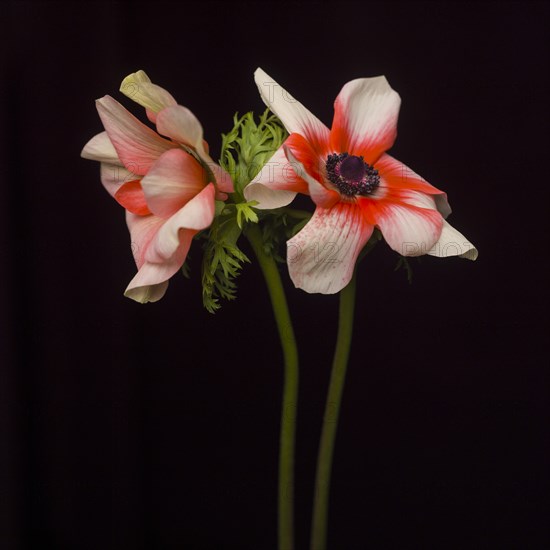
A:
<point x="351" y="175"/>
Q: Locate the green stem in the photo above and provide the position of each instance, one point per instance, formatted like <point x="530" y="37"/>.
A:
<point x="290" y="389"/>
<point x="330" y="419"/>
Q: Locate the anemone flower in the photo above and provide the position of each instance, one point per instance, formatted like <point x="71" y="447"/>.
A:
<point x="168" y="186"/>
<point x="355" y="185"/>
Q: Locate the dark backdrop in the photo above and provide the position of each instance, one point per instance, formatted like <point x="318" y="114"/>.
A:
<point x="130" y="426"/>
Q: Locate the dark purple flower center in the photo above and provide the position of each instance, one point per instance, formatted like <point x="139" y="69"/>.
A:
<point x="351" y="175"/>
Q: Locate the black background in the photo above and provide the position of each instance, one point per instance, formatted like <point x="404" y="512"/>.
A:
<point x="130" y="426"/>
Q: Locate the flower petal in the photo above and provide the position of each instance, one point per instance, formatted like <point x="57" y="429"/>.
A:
<point x="138" y="87"/>
<point x="294" y="116"/>
<point x="320" y="195"/>
<point x="365" y="118"/>
<point x="321" y="257"/>
<point x="276" y="184"/>
<point x="151" y="281"/>
<point x="143" y="230"/>
<point x="137" y="146"/>
<point x="197" y="214"/>
<point x="453" y="243"/>
<point x="131" y="196"/>
<point x="442" y="204"/>
<point x="181" y="125"/>
<point x="397" y="176"/>
<point x="113" y="176"/>
<point x="410" y="225"/>
<point x="266" y="197"/>
<point x="223" y="179"/>
<point x="172" y="182"/>
<point x="142" y="292"/>
<point x="101" y="149"/>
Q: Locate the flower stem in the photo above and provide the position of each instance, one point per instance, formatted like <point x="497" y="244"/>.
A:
<point x="330" y="419"/>
<point x="290" y="389"/>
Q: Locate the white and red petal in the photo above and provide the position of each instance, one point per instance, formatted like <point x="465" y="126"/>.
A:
<point x="294" y="116"/>
<point x="321" y="257"/>
<point x="321" y="195"/>
<point x="196" y="215"/>
<point x="365" y="118"/>
<point x="453" y="243"/>
<point x="101" y="149"/>
<point x="396" y="176"/>
<point x="137" y="146"/>
<point x="172" y="182"/>
<point x="276" y="184"/>
<point x="138" y="87"/>
<point x="410" y="223"/>
<point x="181" y="125"/>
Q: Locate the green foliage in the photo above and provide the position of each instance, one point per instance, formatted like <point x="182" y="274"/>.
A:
<point x="244" y="210"/>
<point x="222" y="260"/>
<point x="245" y="150"/>
<point x="249" y="145"/>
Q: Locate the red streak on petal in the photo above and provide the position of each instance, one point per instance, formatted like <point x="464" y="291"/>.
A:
<point x="339" y="133"/>
<point x="373" y="210"/>
<point x="397" y="176"/>
<point x="312" y="159"/>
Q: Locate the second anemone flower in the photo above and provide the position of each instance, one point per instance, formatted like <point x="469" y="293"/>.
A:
<point x="168" y="185"/>
<point x="354" y="183"/>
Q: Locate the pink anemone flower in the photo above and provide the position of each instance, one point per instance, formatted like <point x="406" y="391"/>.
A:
<point x="355" y="185"/>
<point x="168" y="187"/>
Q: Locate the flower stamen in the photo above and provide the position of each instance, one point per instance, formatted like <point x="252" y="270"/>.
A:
<point x="351" y="175"/>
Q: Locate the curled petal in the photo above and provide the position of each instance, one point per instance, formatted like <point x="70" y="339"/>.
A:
<point x="276" y="184"/>
<point x="321" y="257"/>
<point x="294" y="116"/>
<point x="172" y="182"/>
<point x="151" y="281"/>
<point x="181" y="125"/>
<point x="137" y="146"/>
<point x="365" y="118"/>
<point x="442" y="204"/>
<point x="140" y="291"/>
<point x="453" y="243"/>
<point x="196" y="215"/>
<point x="138" y="87"/>
<point x="101" y="149"/>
